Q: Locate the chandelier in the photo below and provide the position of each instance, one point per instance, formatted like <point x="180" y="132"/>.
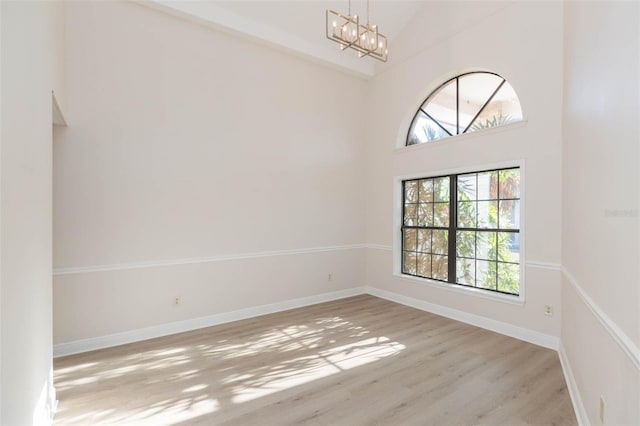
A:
<point x="350" y="33"/>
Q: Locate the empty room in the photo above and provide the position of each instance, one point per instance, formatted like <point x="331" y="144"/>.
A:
<point x="319" y="212"/>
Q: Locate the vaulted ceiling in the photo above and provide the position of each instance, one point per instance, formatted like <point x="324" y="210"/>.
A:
<point x="298" y="26"/>
<point x="295" y="25"/>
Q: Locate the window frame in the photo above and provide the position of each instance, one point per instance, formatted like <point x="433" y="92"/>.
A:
<point x="398" y="224"/>
<point x="407" y="135"/>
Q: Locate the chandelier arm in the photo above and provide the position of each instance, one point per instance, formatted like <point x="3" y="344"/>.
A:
<point x="351" y="34"/>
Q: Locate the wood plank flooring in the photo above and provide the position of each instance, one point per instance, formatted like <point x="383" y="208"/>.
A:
<point x="355" y="361"/>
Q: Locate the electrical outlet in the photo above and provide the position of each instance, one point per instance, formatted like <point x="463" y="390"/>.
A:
<point x="548" y="310"/>
<point x="177" y="300"/>
<point x="330" y="277"/>
<point x="602" y="407"/>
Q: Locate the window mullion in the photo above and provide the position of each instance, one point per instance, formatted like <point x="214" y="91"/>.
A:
<point x="485" y="105"/>
<point x="457" y="106"/>
<point x="404" y="205"/>
<point x="453" y="197"/>
<point x="435" y="121"/>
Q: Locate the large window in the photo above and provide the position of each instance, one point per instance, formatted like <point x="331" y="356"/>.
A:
<point x="464" y="104"/>
<point x="464" y="229"/>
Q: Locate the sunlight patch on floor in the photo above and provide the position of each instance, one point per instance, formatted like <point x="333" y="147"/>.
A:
<point x="324" y="364"/>
<point x="76" y="368"/>
<point x="195" y="388"/>
<point x="168" y="412"/>
<point x="305" y="353"/>
<point x="174" y="413"/>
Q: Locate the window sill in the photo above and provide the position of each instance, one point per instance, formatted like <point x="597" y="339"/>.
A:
<point x="470" y="291"/>
<point x="459" y="138"/>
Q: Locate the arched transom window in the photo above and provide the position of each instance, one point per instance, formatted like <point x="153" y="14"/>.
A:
<point x="464" y="104"/>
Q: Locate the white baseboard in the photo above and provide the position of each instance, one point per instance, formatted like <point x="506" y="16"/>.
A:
<point x="574" y="393"/>
<point x="101" y="342"/>
<point x="531" y="336"/>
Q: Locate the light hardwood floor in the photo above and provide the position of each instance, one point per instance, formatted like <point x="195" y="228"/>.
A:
<point x="355" y="361"/>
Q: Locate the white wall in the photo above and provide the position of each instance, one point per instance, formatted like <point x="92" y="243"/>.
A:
<point x="28" y="69"/>
<point x="186" y="143"/>
<point x="163" y="187"/>
<point x="601" y="295"/>
<point x="435" y="24"/>
<point x="521" y="42"/>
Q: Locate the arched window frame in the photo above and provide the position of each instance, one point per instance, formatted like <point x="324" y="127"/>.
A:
<point x="434" y="92"/>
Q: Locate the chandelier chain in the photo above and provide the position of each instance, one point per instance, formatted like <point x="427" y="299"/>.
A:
<point x="367" y="12"/>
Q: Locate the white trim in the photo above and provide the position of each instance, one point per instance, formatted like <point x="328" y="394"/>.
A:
<point x="378" y="247"/>
<point x="531" y="336"/>
<point x="101" y="342"/>
<point x="241" y="256"/>
<point x="403" y="148"/>
<point x="462" y="289"/>
<point x="574" y="393"/>
<point x="471" y="168"/>
<point x="544" y="265"/>
<point x="186" y="261"/>
<point x="619" y="336"/>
